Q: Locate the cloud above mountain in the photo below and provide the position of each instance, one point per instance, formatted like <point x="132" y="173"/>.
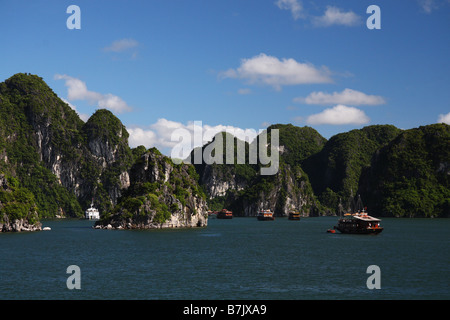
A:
<point x="339" y="115"/>
<point x="268" y="70"/>
<point x="166" y="135"/>
<point x="444" y="118"/>
<point x="346" y="97"/>
<point x="77" y="90"/>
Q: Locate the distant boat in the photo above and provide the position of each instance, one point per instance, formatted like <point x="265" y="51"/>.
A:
<point x="294" y="215"/>
<point x="265" y="215"/>
<point x="358" y="222"/>
<point x="225" y="214"/>
<point x="92" y="213"/>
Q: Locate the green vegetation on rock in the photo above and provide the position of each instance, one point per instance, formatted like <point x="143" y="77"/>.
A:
<point x="16" y="202"/>
<point x="54" y="164"/>
<point x="335" y="170"/>
<point x="410" y="177"/>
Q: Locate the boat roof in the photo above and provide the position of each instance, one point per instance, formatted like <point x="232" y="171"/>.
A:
<point x="365" y="217"/>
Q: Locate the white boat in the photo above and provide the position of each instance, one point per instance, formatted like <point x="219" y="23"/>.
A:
<point x="92" y="213"/>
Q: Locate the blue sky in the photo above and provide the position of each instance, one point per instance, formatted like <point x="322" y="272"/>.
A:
<point x="160" y="65"/>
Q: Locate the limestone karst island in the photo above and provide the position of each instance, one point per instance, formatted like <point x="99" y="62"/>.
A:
<point x="54" y="165"/>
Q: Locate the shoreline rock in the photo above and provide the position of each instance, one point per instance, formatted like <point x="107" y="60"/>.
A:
<point x="161" y="195"/>
<point x="177" y="221"/>
<point x="20" y="225"/>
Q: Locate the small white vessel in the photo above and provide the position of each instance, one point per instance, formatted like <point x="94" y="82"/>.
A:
<point x="92" y="213"/>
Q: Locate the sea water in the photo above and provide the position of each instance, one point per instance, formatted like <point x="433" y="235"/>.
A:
<point x="236" y="259"/>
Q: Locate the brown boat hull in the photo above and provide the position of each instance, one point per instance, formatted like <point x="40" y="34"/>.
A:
<point x="260" y="218"/>
<point x="224" y="216"/>
<point x="348" y="230"/>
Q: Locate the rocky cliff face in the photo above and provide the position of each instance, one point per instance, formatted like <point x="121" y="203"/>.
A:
<point x="240" y="187"/>
<point x="161" y="195"/>
<point x="65" y="162"/>
<point x="288" y="190"/>
<point x="335" y="170"/>
<point x="18" y="225"/>
<point x="217" y="184"/>
<point x="18" y="211"/>
<point x="410" y="176"/>
<point x="110" y="158"/>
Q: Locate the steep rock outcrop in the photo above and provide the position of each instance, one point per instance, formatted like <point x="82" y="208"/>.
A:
<point x="410" y="176"/>
<point x="239" y="186"/>
<point x="18" y="211"/>
<point x="161" y="195"/>
<point x="218" y="182"/>
<point x="335" y="170"/>
<point x="63" y="161"/>
<point x="287" y="190"/>
<point x="110" y="159"/>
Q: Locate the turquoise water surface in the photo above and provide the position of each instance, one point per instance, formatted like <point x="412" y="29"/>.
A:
<point x="236" y="259"/>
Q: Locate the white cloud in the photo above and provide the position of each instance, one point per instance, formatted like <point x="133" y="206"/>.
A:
<point x="191" y="135"/>
<point x="141" y="137"/>
<point x="82" y="116"/>
<point x="268" y="70"/>
<point x="346" y="97"/>
<point x="339" y="115"/>
<point x="114" y="103"/>
<point x="122" y="45"/>
<point x="294" y="6"/>
<point x="77" y="90"/>
<point x="444" y="118"/>
<point x="336" y="16"/>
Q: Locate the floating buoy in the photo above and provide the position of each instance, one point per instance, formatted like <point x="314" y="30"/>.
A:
<point x="331" y="231"/>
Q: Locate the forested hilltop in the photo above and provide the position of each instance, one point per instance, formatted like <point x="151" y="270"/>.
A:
<point x="56" y="164"/>
<point x="397" y="173"/>
<point x="410" y="176"/>
<point x="53" y="164"/>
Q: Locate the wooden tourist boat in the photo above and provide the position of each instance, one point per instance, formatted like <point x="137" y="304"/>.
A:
<point x="265" y="215"/>
<point x="225" y="214"/>
<point x="294" y="215"/>
<point x="358" y="222"/>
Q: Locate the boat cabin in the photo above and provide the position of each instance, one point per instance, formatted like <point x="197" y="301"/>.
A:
<point x="225" y="214"/>
<point x="92" y="213"/>
<point x="360" y="223"/>
<point x="265" y="215"/>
